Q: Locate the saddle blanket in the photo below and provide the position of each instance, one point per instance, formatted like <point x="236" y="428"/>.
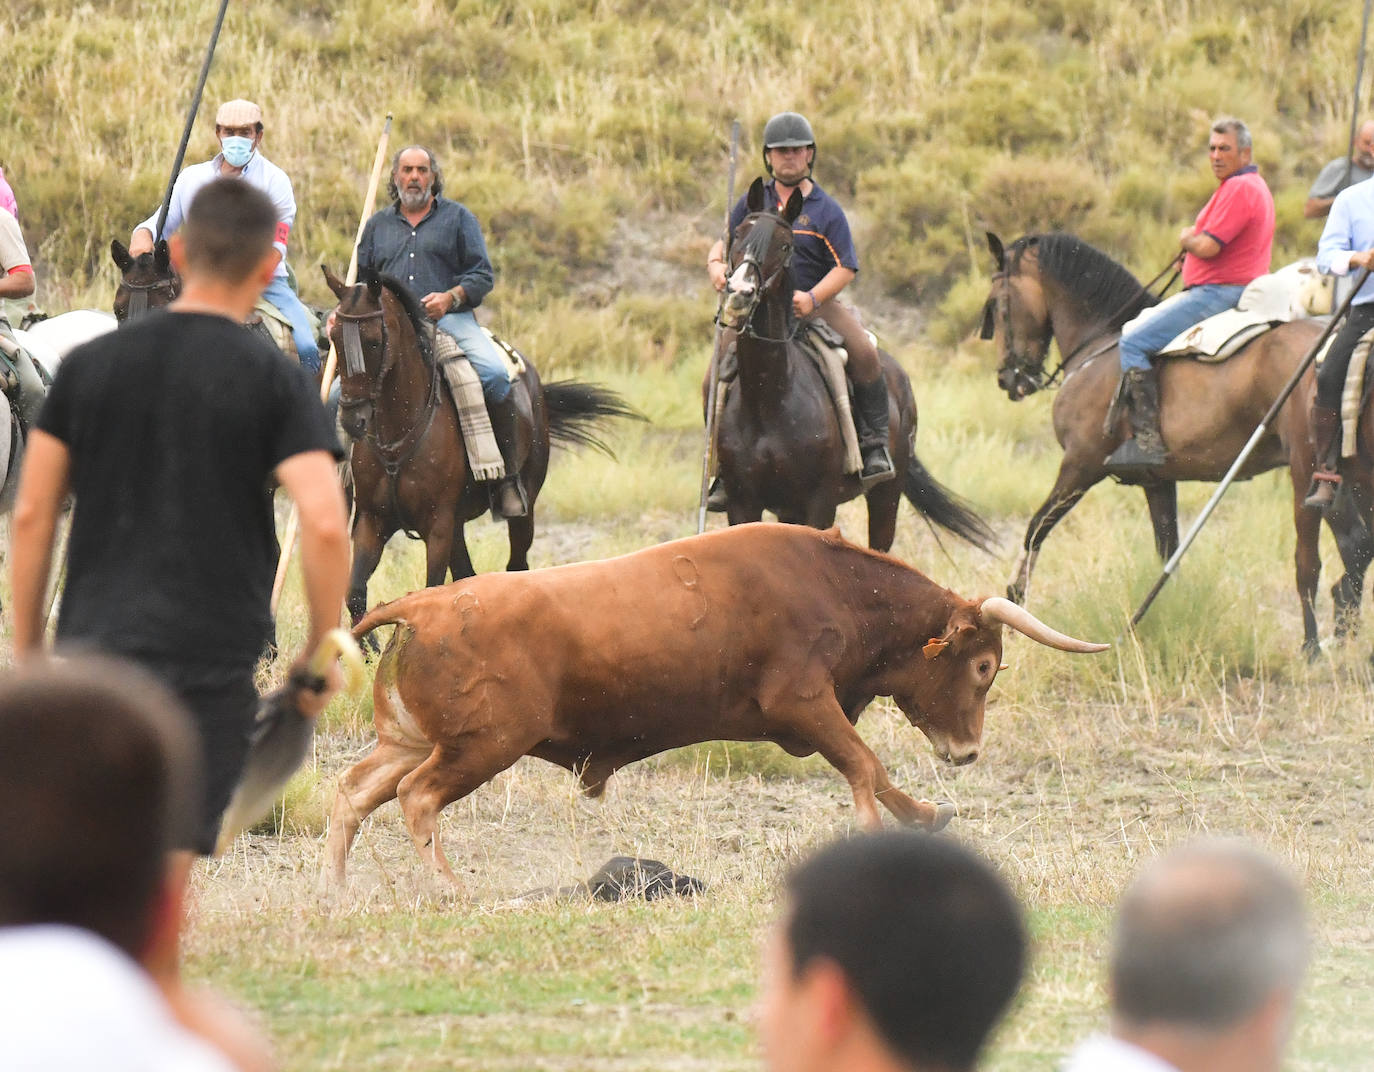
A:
<point x="825" y="346"/>
<point x="484" y="456"/>
<point x="1291" y="293"/>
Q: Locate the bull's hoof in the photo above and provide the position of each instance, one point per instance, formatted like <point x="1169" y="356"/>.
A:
<point x="944" y="812"/>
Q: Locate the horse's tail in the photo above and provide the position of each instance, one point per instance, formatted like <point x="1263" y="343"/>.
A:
<point x="576" y="412"/>
<point x="940" y="506"/>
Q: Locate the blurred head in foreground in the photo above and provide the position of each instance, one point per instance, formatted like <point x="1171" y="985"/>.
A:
<point x="1209" y="949"/>
<point x="896" y="951"/>
<point x="97" y="765"/>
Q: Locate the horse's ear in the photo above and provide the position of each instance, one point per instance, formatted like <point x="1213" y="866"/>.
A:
<point x="793" y="207"/>
<point x="989" y="328"/>
<point x="119" y="253"/>
<point x="334" y="283"/>
<point x="374" y="285"/>
<point x="755" y="199"/>
<point x="161" y="257"/>
<point x="998" y="254"/>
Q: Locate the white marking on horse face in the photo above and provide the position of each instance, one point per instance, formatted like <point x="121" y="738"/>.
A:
<point x="405" y="721"/>
<point x="741" y="282"/>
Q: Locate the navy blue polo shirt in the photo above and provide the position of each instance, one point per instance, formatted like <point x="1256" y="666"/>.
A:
<point x="822" y="239"/>
<point x="443" y="250"/>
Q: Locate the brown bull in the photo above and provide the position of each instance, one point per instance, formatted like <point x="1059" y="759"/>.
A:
<point x="760" y="632"/>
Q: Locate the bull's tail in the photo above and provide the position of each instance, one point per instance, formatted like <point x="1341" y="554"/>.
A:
<point x="940" y="506"/>
<point x="393" y="613"/>
<point x="578" y="410"/>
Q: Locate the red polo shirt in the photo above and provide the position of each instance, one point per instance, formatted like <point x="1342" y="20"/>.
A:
<point x="1240" y="216"/>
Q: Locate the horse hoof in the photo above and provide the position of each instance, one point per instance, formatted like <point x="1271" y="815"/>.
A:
<point x="1312" y="650"/>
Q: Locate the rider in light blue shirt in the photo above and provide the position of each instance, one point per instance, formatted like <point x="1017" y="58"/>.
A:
<point x="1347" y="245"/>
<point x="238" y="126"/>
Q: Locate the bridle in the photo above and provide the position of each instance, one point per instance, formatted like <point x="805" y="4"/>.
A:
<point x="140" y="293"/>
<point x="749" y="260"/>
<point x="399" y="451"/>
<point x="1030" y="372"/>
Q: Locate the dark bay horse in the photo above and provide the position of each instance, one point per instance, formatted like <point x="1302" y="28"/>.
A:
<point x="410" y="468"/>
<point x="1056" y="287"/>
<point x="780" y="441"/>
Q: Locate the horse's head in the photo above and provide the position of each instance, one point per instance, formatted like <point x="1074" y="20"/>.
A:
<point x="760" y="255"/>
<point x="359" y="333"/>
<point x="1017" y="316"/>
<point x="147" y="281"/>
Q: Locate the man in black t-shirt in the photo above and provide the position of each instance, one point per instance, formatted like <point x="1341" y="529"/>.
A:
<point x="167" y="433"/>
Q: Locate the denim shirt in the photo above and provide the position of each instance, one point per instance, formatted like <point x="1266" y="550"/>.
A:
<point x="444" y="250"/>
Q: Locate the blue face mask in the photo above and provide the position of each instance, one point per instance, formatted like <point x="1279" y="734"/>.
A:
<point x="237" y="150"/>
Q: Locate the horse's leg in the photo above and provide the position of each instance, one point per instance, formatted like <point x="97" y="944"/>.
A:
<point x="459" y="558"/>
<point x="741" y="513"/>
<point x="1069" y="487"/>
<point x="882" y="512"/>
<point x="1162" y="500"/>
<point x="438" y="548"/>
<point x="368" y="541"/>
<point x="1349" y="521"/>
<point x="1307" y="562"/>
<point x="520" y="531"/>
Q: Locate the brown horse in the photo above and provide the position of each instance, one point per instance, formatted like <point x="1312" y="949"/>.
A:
<point x="410" y="468"/>
<point x="146" y="282"/>
<point x="1056" y="287"/>
<point x="780" y="441"/>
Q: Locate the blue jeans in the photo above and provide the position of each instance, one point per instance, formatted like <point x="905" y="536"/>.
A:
<point x="280" y="294"/>
<point x="1157" y="327"/>
<point x="480" y="351"/>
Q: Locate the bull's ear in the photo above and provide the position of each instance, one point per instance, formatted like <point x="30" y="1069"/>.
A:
<point x="998" y="253"/>
<point x="963" y="623"/>
<point x="934" y="646"/>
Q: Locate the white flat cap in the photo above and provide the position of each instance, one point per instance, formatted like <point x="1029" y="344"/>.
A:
<point x="238" y="113"/>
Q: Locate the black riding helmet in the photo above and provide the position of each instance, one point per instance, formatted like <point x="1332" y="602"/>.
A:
<point x="787" y="130"/>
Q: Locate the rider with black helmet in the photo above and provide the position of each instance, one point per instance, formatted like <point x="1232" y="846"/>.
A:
<point x="823" y="264"/>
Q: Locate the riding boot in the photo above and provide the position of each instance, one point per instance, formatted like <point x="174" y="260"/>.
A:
<point x="1146" y="449"/>
<point x="716" y="500"/>
<point x="508" y="497"/>
<point x="871" y="419"/>
<point x="1326" y="438"/>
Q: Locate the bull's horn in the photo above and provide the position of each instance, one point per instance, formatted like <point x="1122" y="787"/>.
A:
<point x="997" y="609"/>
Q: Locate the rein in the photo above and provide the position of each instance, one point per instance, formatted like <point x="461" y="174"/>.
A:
<point x="1039" y="379"/>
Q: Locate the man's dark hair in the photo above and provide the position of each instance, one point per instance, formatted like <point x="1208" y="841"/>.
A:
<point x="436" y="184"/>
<point x="928" y="935"/>
<point x="229" y="229"/>
<point x="1205" y="936"/>
<point x="98" y="764"/>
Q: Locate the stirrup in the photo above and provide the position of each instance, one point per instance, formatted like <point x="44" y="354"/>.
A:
<point x="877" y="468"/>
<point x="502" y="510"/>
<point x="1322" y="492"/>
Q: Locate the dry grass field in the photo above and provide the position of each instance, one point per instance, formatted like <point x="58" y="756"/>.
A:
<point x="589" y="137"/>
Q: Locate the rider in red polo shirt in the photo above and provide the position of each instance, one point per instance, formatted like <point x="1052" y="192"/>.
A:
<point x="1227" y="247"/>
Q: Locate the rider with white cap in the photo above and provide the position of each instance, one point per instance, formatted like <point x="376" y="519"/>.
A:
<point x="238" y="126"/>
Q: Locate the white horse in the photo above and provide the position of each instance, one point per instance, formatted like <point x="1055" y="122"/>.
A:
<point x="48" y="341"/>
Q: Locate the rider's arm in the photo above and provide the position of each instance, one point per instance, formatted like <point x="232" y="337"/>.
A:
<point x="17" y="283"/>
<point x="16" y="272"/>
<point x="42" y="487"/>
<point x="1314" y="208"/>
<point x="1198" y="243"/>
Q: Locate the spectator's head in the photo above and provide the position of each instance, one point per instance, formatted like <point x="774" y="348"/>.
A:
<point x="1364" y="145"/>
<point x="228" y="234"/>
<point x="238" y="126"/>
<point x="1210" y="943"/>
<point x="98" y="765"/>
<point x="1229" y="147"/>
<point x="896" y="949"/>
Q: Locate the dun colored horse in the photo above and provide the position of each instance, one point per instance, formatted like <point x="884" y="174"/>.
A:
<point x="410" y="469"/>
<point x="1056" y="287"/>
<point x="780" y="441"/>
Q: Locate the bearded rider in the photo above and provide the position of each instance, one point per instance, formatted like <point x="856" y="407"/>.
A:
<point x="824" y="262"/>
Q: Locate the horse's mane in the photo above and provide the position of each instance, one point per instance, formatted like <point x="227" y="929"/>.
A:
<point x="419" y="319"/>
<point x="1092" y="279"/>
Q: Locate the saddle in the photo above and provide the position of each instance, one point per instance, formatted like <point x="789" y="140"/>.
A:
<point x="267" y="318"/>
<point x="484" y="455"/>
<point x="1291" y="293"/>
<point x="1357" y="390"/>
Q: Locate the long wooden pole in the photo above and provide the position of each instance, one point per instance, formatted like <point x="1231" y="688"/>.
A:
<point x="331" y="363"/>
<point x="713" y="378"/>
